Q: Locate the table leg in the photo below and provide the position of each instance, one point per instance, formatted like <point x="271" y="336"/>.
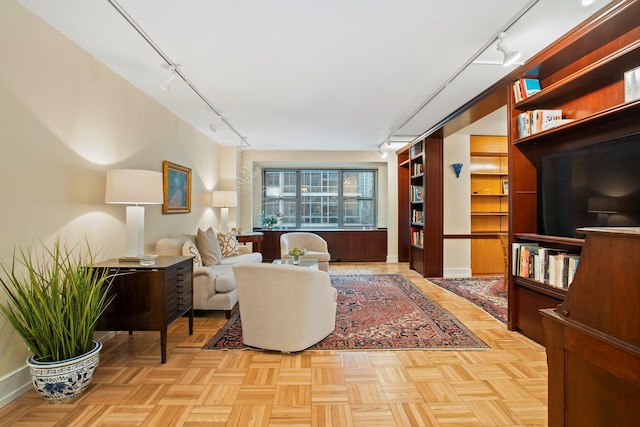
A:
<point x="163" y="345"/>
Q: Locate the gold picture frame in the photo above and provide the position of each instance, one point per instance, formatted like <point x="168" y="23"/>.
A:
<point x="177" y="188"/>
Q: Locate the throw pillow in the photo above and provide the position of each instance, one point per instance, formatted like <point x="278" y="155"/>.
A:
<point x="189" y="249"/>
<point x="207" y="244"/>
<point x="228" y="245"/>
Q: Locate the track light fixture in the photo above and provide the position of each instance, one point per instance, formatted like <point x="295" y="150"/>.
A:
<point x="510" y="56"/>
<point x="383" y="154"/>
<point x="216" y="123"/>
<point x="166" y="82"/>
<point x="587" y="2"/>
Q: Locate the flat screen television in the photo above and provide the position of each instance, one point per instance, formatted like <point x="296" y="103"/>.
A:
<point x="594" y="186"/>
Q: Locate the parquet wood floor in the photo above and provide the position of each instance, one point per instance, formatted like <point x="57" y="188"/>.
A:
<point x="504" y="386"/>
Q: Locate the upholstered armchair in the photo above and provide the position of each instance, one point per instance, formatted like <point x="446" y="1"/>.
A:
<point x="284" y="307"/>
<point x="315" y="247"/>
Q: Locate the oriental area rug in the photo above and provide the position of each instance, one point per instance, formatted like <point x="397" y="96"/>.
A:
<point x="485" y="292"/>
<point x="378" y="312"/>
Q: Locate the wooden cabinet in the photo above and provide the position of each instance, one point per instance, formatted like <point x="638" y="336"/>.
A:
<point x="149" y="298"/>
<point x="344" y="245"/>
<point x="593" y="339"/>
<point x="582" y="75"/>
<point x="420" y="225"/>
<point x="489" y="173"/>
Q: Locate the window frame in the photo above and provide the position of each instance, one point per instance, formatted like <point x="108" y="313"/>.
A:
<point x="341" y="198"/>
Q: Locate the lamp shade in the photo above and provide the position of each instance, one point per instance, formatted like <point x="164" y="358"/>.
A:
<point x="134" y="187"/>
<point x="224" y="199"/>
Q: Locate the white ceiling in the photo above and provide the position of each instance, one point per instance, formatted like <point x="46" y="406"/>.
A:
<point x="312" y="74"/>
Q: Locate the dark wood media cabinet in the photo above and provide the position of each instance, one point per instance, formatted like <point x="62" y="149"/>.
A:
<point x="593" y="337"/>
<point x="149" y="298"/>
<point x="347" y="245"/>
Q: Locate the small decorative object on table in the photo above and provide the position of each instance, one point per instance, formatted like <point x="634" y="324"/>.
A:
<point x="270" y="221"/>
<point x="296" y="254"/>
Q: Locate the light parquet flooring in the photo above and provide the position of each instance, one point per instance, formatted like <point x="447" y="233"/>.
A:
<point x="504" y="386"/>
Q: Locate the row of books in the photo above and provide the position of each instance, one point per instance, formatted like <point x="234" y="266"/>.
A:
<point x="525" y="87"/>
<point x="417" y="193"/>
<point x="417" y="169"/>
<point x="416" y="216"/>
<point x="554" y="267"/>
<point x="532" y="122"/>
<point x="417" y="237"/>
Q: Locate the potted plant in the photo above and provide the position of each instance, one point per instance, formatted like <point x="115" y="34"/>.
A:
<point x="54" y="298"/>
<point x="271" y="221"/>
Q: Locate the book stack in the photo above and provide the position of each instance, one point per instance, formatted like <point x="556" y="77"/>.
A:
<point x="416" y="237"/>
<point x="416" y="216"/>
<point x="417" y="193"/>
<point x="554" y="267"/>
<point x="417" y="169"/>
<point x="532" y="122"/>
<point x="525" y="87"/>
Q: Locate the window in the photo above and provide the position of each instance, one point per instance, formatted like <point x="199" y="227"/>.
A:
<point x="320" y="198"/>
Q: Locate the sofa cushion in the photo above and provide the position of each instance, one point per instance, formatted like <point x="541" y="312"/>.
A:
<point x="225" y="280"/>
<point x="189" y="249"/>
<point x="170" y="246"/>
<point x="228" y="245"/>
<point x="207" y="244"/>
<point x="251" y="257"/>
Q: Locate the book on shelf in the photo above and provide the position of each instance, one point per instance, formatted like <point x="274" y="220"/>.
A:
<point x="416" y="216"/>
<point x="417" y="168"/>
<point x="416" y="150"/>
<point x="416" y="237"/>
<point x="532" y="122"/>
<point x="525" y="87"/>
<point x="632" y="84"/>
<point x="417" y="193"/>
<point x="551" y="266"/>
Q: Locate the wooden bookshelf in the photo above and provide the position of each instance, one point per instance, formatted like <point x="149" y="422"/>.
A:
<point x="582" y="75"/>
<point x="420" y="220"/>
<point x="489" y="202"/>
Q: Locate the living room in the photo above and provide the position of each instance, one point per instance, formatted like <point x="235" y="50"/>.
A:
<point x="67" y="119"/>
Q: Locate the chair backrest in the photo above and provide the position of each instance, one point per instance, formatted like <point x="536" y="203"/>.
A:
<point x="302" y="240"/>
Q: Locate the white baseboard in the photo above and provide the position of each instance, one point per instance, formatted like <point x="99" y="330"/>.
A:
<point x="14" y="385"/>
<point x="456" y="272"/>
<point x="393" y="259"/>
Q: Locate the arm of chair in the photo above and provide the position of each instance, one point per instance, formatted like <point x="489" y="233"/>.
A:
<point x="203" y="286"/>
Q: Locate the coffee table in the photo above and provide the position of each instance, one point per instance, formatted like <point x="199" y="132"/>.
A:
<point x="304" y="262"/>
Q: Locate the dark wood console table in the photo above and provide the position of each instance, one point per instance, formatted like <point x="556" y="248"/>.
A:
<point x="346" y="245"/>
<point x="255" y="238"/>
<point x="149" y="298"/>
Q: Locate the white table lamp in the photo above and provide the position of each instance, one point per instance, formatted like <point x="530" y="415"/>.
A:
<point x="224" y="200"/>
<point x="134" y="187"/>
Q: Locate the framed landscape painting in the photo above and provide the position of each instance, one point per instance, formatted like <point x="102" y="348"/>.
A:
<point x="177" y="188"/>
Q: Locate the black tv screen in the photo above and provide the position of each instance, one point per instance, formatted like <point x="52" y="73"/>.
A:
<point x="594" y="186"/>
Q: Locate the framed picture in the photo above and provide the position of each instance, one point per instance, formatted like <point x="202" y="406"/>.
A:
<point x="505" y="187"/>
<point x="177" y="188"/>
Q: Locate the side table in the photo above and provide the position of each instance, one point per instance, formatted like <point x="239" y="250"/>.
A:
<point x="149" y="298"/>
<point x="254" y="237"/>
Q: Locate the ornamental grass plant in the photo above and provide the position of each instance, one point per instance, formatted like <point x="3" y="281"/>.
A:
<point x="54" y="298"/>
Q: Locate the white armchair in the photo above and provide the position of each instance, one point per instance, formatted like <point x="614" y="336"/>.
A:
<point x="283" y="307"/>
<point x="315" y="247"/>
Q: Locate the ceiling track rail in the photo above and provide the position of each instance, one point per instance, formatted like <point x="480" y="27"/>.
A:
<point x="178" y="71"/>
<point x="475" y="56"/>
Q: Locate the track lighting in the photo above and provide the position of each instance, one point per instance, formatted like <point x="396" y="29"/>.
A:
<point x="166" y="82"/>
<point x="383" y="154"/>
<point x="216" y="123"/>
<point x="510" y="56"/>
<point x="587" y="2"/>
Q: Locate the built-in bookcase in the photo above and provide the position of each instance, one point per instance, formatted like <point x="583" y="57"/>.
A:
<point x="420" y="205"/>
<point x="582" y="75"/>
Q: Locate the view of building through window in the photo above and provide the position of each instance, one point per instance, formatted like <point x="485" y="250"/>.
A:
<point x="320" y="198"/>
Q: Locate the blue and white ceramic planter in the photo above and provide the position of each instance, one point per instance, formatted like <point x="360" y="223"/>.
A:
<point x="67" y="379"/>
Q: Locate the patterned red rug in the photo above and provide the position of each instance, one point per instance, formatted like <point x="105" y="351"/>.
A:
<point x="378" y="312"/>
<point x="485" y="292"/>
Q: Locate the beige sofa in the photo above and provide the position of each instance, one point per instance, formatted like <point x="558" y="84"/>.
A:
<point x="214" y="286"/>
<point x="284" y="307"/>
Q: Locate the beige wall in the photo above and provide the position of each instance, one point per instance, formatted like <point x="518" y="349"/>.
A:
<point x="457" y="207"/>
<point x="65" y="119"/>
